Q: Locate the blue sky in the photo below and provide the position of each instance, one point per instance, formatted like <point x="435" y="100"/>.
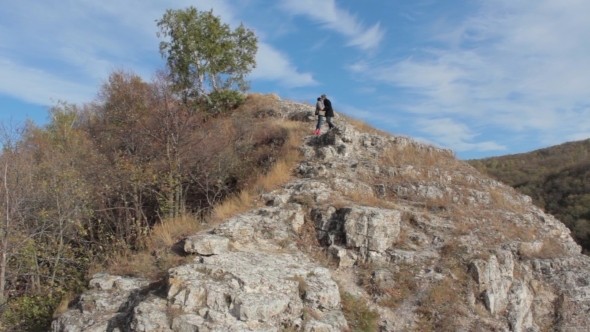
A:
<point x="483" y="78"/>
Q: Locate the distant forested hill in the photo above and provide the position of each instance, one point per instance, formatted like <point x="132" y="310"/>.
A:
<point x="557" y="178"/>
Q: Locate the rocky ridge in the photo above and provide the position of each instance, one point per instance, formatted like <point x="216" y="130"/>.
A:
<point x="422" y="238"/>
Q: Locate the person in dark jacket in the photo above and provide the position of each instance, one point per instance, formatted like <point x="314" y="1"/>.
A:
<point x="329" y="111"/>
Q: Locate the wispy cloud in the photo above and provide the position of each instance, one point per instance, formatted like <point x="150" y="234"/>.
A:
<point x="275" y="66"/>
<point x="327" y="13"/>
<point x="40" y="87"/>
<point x="65" y="49"/>
<point x="453" y="134"/>
<point x="514" y="65"/>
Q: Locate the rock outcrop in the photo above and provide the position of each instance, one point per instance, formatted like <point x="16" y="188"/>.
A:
<point x="422" y="238"/>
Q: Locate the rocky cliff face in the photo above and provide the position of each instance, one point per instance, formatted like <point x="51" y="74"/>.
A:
<point x="420" y="237"/>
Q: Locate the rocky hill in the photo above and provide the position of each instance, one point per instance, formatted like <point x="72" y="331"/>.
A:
<point x="374" y="233"/>
<point x="557" y="178"/>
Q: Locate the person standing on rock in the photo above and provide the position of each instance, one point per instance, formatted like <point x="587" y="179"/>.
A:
<point x="319" y="111"/>
<point x="329" y="111"/>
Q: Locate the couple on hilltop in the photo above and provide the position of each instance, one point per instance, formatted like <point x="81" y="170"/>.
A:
<point x="323" y="108"/>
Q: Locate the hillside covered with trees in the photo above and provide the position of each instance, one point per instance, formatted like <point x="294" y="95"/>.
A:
<point x="130" y="171"/>
<point x="557" y="178"/>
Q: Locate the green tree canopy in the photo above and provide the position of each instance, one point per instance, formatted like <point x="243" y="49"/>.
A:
<point x="205" y="55"/>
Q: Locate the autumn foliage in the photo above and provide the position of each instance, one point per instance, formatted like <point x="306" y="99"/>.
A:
<point x="94" y="183"/>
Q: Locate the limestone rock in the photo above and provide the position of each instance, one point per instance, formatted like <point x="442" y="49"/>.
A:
<point x="371" y="229"/>
<point x="436" y="220"/>
<point x="206" y="244"/>
<point x="494" y="278"/>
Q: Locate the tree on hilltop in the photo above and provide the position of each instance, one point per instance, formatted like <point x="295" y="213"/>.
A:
<point x="204" y="56"/>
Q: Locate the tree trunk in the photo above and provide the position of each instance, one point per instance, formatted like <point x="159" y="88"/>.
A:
<point x="4" y="238"/>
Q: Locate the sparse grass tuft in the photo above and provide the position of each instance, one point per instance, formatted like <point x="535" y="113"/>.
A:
<point x="392" y="290"/>
<point x="439" y="203"/>
<point x="141" y="264"/>
<point x="256" y="102"/>
<point x="278" y="174"/>
<point x="63" y="305"/>
<point x="170" y="231"/>
<point x="148" y="265"/>
<point x="442" y="309"/>
<point x="302" y="285"/>
<point x="233" y="205"/>
<point x="367" y="199"/>
<point x="358" y="315"/>
<point x="507" y="201"/>
<point x="550" y="248"/>
<point x="309" y="244"/>
<point x="157" y="255"/>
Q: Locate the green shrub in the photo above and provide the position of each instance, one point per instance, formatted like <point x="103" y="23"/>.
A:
<point x="31" y="312"/>
<point x="223" y="101"/>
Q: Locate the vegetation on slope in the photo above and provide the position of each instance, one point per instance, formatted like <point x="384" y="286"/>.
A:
<point x="93" y="187"/>
<point x="557" y="178"/>
<point x="114" y="183"/>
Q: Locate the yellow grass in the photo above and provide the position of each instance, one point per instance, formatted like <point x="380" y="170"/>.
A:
<point x="170" y="231"/>
<point x="551" y="248"/>
<point x="257" y="101"/>
<point x="279" y="174"/>
<point x="151" y="265"/>
<point x="241" y="202"/>
<point x="157" y="255"/>
<point x="141" y="264"/>
<point x="363" y="198"/>
<point x="63" y="305"/>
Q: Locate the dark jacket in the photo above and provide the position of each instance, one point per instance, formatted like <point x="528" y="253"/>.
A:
<point x="328" y="108"/>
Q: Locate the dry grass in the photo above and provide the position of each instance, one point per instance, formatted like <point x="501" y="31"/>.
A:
<point x="492" y="224"/>
<point x="147" y="265"/>
<point x="141" y="264"/>
<point x="309" y="244"/>
<point x="550" y="248"/>
<point x="394" y="295"/>
<point x="278" y="174"/>
<point x="439" y="203"/>
<point x="366" y="199"/>
<point x="358" y="315"/>
<point x="417" y="155"/>
<point x="241" y="202"/>
<point x="157" y="255"/>
<point x="403" y="239"/>
<point x="170" y="231"/>
<point x="513" y="231"/>
<point x="502" y="199"/>
<point x="302" y="285"/>
<point x="442" y="308"/>
<point x="63" y="305"/>
<point x="497" y="226"/>
<point x="388" y="293"/>
<point x="464" y="227"/>
<point x="256" y="102"/>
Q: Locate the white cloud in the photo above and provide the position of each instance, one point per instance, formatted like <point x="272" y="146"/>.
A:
<point x="40" y="87"/>
<point x="275" y="66"/>
<point x="521" y="65"/>
<point x="453" y="134"/>
<point x="333" y="18"/>
<point x="78" y="44"/>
